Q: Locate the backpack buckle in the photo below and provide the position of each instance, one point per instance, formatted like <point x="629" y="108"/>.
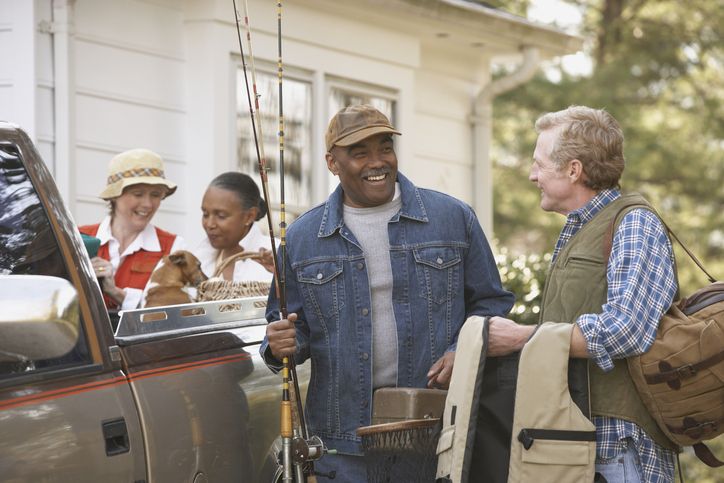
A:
<point x="685" y="371"/>
<point x="696" y="430"/>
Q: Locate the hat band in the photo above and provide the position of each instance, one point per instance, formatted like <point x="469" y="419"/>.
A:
<point x="135" y="173"/>
<point x="362" y="128"/>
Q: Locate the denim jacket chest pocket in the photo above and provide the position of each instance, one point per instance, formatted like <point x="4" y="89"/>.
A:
<point x="438" y="272"/>
<point x="322" y="284"/>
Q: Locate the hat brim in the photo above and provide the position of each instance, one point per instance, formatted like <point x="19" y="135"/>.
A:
<point x="115" y="190"/>
<point x="362" y="134"/>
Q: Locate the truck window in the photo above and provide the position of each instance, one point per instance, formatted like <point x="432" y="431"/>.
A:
<point x="28" y="247"/>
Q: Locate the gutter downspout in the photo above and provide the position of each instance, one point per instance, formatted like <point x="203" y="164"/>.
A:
<point x="482" y="130"/>
<point x="63" y="31"/>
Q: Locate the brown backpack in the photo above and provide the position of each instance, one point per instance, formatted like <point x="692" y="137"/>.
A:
<point x="680" y="379"/>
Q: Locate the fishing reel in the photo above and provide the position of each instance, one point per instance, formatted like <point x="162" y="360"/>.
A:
<point x="304" y="453"/>
<point x="308" y="450"/>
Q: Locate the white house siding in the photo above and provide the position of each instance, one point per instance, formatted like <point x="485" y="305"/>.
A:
<point x="161" y="74"/>
<point x="446" y="82"/>
<point x="130" y="91"/>
<point x="26" y="71"/>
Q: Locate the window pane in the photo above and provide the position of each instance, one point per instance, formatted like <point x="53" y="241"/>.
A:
<point x="297" y="137"/>
<point x="27" y="243"/>
<point x="340" y="98"/>
<point x="28" y="247"/>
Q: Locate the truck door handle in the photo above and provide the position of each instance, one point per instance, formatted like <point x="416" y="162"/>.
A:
<point x="116" y="436"/>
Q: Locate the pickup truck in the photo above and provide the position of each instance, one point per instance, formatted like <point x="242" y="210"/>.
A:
<point x="175" y="394"/>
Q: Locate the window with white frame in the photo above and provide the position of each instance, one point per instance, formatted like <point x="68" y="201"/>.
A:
<point x="297" y="106"/>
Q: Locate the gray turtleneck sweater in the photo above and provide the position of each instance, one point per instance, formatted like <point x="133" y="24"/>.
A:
<point x="369" y="226"/>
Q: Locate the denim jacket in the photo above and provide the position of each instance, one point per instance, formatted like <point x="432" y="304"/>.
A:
<point x="443" y="272"/>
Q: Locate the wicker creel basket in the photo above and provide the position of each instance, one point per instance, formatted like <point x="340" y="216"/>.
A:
<point x="215" y="288"/>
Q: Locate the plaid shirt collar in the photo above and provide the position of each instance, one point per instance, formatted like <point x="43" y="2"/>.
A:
<point x="577" y="218"/>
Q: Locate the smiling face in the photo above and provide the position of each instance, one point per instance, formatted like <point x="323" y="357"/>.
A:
<point x="224" y="219"/>
<point x="554" y="181"/>
<point x="367" y="170"/>
<point x="137" y="205"/>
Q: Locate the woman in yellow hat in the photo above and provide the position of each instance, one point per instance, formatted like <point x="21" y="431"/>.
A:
<point x="130" y="246"/>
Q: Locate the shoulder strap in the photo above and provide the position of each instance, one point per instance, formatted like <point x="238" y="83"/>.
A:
<point x="608" y="242"/>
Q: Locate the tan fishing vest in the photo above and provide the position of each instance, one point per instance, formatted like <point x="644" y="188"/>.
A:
<point x="577" y="285"/>
<point x="454" y="448"/>
<point x="552" y="440"/>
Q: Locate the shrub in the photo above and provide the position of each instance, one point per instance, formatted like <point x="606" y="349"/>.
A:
<point x="524" y="275"/>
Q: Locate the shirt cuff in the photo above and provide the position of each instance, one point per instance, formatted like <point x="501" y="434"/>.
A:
<point x="132" y="299"/>
<point x="590" y="326"/>
<point x="266" y="354"/>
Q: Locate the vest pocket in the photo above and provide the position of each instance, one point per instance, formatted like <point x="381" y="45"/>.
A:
<point x="557" y="455"/>
<point x="556" y="447"/>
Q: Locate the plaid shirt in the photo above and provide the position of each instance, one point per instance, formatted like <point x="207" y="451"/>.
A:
<point x="641" y="287"/>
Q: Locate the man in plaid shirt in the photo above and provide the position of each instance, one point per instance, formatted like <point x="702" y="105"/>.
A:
<point x="577" y="164"/>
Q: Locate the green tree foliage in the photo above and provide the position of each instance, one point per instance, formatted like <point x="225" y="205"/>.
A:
<point x="659" y="69"/>
<point x="525" y="276"/>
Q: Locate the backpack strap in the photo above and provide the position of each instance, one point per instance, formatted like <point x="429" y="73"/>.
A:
<point x="608" y="241"/>
<point x="705" y="455"/>
<point x="688" y="252"/>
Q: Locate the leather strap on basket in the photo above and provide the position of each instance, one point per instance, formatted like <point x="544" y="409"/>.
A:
<point x="242" y="255"/>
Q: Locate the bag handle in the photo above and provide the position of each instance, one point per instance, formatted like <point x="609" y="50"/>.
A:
<point x="688" y="252"/>
<point x="609" y="239"/>
<point x="242" y="255"/>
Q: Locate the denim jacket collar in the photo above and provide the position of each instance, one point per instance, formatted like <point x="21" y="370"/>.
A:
<point x="412" y="207"/>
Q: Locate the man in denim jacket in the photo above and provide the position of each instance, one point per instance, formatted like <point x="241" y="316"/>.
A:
<point x="380" y="278"/>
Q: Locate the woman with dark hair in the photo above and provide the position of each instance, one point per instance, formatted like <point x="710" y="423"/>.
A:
<point x="230" y="208"/>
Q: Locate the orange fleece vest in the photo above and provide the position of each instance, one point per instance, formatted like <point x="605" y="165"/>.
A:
<point x="135" y="270"/>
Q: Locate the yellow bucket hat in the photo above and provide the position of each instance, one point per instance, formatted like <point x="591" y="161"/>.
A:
<point x="136" y="166"/>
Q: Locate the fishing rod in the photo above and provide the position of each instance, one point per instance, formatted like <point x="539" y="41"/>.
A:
<point x="298" y="450"/>
<point x="287" y="362"/>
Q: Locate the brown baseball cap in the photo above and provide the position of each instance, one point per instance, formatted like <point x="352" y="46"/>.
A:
<point x="355" y="123"/>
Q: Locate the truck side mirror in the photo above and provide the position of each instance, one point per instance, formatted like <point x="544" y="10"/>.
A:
<point x="39" y="317"/>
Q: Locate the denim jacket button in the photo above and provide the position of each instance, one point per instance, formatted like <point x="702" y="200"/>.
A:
<point x="360" y="266"/>
<point x="320" y="276"/>
<point x="439" y="261"/>
<point x="365" y="311"/>
<point x="365" y="356"/>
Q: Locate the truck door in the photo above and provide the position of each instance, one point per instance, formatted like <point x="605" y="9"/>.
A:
<point x="69" y="417"/>
<point x="198" y="377"/>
